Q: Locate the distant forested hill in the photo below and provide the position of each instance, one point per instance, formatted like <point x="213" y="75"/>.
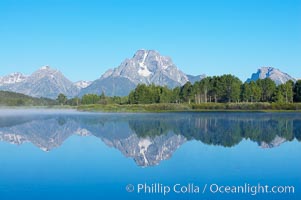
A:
<point x="17" y="99"/>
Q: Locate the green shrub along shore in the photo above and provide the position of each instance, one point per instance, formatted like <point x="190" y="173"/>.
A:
<point x="16" y="99"/>
<point x="169" y="107"/>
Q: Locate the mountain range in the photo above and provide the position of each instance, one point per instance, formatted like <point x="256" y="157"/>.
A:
<point x="146" y="66"/>
<point x="45" y="82"/>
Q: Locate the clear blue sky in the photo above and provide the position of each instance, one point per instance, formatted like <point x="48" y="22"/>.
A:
<point x="85" y="38"/>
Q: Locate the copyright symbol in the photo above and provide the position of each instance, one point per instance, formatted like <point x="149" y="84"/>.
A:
<point x="130" y="188"/>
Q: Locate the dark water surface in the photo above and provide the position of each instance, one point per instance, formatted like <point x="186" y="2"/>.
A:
<point x="70" y="155"/>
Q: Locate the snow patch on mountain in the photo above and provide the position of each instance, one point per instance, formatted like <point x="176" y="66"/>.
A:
<point x="82" y="84"/>
<point x="143" y="71"/>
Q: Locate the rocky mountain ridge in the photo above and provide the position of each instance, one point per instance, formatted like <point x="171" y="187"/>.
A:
<point x="276" y="75"/>
<point x="146" y="66"/>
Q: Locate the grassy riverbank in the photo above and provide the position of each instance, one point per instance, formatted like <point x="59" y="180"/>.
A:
<point x="191" y="107"/>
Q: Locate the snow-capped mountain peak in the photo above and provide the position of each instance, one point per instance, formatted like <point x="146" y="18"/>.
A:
<point x="146" y="66"/>
<point x="12" y="78"/>
<point x="276" y="75"/>
<point x="46" y="67"/>
<point x="47" y="70"/>
<point x="141" y="55"/>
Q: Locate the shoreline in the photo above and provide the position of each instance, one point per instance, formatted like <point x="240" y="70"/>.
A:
<point x="208" y="107"/>
<point x="169" y="107"/>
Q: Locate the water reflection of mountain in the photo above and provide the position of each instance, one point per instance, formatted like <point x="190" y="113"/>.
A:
<point x="150" y="138"/>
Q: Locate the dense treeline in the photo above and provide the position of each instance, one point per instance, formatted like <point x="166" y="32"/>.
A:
<point x="91" y="99"/>
<point x="17" y="99"/>
<point x="219" y="89"/>
<point x="216" y="89"/>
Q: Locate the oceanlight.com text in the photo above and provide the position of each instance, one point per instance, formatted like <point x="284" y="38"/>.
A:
<point x="192" y="188"/>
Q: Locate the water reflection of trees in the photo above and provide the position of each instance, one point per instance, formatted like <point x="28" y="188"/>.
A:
<point x="223" y="131"/>
<point x="297" y="129"/>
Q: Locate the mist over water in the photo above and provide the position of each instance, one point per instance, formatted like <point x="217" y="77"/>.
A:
<point x="35" y="111"/>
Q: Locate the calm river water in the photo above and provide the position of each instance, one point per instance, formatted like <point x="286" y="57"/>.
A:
<point x="48" y="154"/>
